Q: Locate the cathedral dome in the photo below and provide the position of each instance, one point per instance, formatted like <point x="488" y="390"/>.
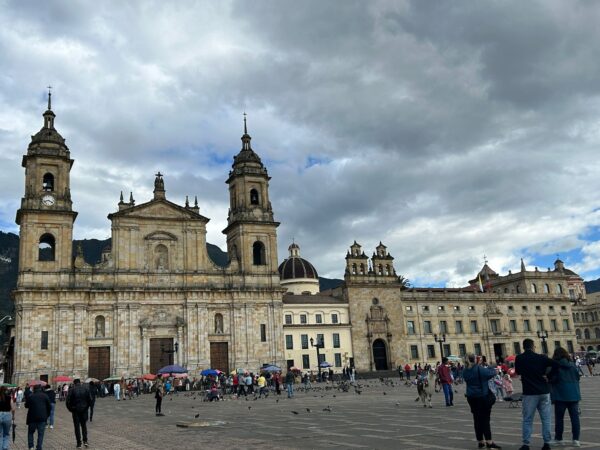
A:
<point x="296" y="267"/>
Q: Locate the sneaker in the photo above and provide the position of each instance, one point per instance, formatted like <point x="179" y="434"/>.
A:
<point x="493" y="445"/>
<point x="52" y="427"/>
<point x="86" y="444"/>
<point x="576" y="443"/>
<point x="78" y="446"/>
<point x="480" y="445"/>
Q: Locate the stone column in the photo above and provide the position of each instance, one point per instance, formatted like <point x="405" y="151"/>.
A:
<point x="79" y="338"/>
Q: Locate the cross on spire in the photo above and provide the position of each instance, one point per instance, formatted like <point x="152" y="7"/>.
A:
<point x="485" y="260"/>
<point x="158" y="174"/>
<point x="49" y="97"/>
<point x="245" y="127"/>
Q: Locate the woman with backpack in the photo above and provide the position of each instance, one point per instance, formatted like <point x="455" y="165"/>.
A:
<point x="565" y="394"/>
<point x="480" y="399"/>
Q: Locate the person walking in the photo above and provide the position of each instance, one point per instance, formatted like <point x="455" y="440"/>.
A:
<point x="52" y="397"/>
<point x="445" y="378"/>
<point x="480" y="399"/>
<point x="533" y="368"/>
<point x="565" y="394"/>
<point x="78" y="403"/>
<point x="7" y="416"/>
<point x="93" y="387"/>
<point x="158" y="395"/>
<point x="289" y="382"/>
<point x="38" y="410"/>
<point x="117" y="390"/>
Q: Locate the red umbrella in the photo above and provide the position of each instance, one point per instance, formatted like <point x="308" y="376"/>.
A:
<point x="149" y="376"/>
<point x="510" y="358"/>
<point x="62" y="379"/>
<point x="36" y="383"/>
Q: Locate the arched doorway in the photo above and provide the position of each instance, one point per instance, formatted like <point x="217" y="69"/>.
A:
<point x="380" y="355"/>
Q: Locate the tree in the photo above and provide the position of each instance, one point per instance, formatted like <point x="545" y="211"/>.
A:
<point x="404" y="282"/>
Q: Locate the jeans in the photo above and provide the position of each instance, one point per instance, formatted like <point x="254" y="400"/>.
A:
<point x="6" y="422"/>
<point x="559" y="416"/>
<point x="79" y="422"/>
<point x="542" y="404"/>
<point x="448" y="394"/>
<point x="481" y="410"/>
<point x="290" y="390"/>
<point x="50" y="420"/>
<point x="40" y="427"/>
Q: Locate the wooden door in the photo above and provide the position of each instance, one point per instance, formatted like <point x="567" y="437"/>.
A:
<point x="161" y="353"/>
<point x="219" y="356"/>
<point x="99" y="362"/>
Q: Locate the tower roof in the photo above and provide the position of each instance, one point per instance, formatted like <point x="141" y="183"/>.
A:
<point x="48" y="140"/>
<point x="246" y="154"/>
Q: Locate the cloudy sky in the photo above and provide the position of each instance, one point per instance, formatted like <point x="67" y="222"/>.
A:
<point x="447" y="130"/>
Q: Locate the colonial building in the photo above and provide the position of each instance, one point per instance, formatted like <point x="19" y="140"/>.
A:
<point x="392" y="325"/>
<point x="156" y="297"/>
<point x="316" y="326"/>
<point x="586" y="315"/>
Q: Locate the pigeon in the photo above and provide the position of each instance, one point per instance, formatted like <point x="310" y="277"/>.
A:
<point x="328" y="409"/>
<point x="196" y="416"/>
<point x="295" y="412"/>
<point x="397" y="404"/>
<point x="277" y="400"/>
<point x="384" y="393"/>
<point x="249" y="408"/>
<point x="333" y="395"/>
<point x="307" y="409"/>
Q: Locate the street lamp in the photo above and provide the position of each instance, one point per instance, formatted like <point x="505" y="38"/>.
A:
<point x="170" y="351"/>
<point x="318" y="346"/>
<point x="543" y="335"/>
<point x="440" y="340"/>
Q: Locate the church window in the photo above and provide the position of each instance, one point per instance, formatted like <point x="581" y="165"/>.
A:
<point x="46" y="248"/>
<point x="288" y="319"/>
<point x="161" y="257"/>
<point x="533" y="288"/>
<point x="546" y="288"/>
<point x="258" y="254"/>
<point x="380" y="269"/>
<point x="387" y="269"/>
<point x="303" y="319"/>
<point x="254" y="197"/>
<point x="44" y="343"/>
<point x="334" y="318"/>
<point x="263" y="332"/>
<point x="353" y="269"/>
<point x="506" y="290"/>
<point x="375" y="301"/>
<point x="218" y="323"/>
<point x="586" y="333"/>
<point x="597" y="333"/>
<point x="559" y="289"/>
<point x="578" y="333"/>
<point x="99" y="328"/>
<point x="48" y="182"/>
<point x="289" y="342"/>
<point x="362" y="269"/>
<point x="518" y="289"/>
<point x="318" y="318"/>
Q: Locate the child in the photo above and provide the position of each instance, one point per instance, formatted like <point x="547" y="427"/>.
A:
<point x="507" y="384"/>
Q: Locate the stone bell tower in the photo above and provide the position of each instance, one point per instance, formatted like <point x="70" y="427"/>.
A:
<point x="251" y="230"/>
<point x="46" y="215"/>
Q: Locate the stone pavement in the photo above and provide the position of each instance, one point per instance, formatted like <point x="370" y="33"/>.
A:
<point x="381" y="417"/>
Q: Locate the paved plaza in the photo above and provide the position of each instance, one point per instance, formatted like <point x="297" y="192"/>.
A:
<point x="380" y="417"/>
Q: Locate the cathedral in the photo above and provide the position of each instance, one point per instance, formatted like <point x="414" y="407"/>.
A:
<point x="155" y="298"/>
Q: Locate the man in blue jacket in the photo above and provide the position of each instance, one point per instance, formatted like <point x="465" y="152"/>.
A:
<point x="533" y="369"/>
<point x="38" y="407"/>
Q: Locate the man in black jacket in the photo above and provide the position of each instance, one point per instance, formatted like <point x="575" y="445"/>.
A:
<point x="38" y="407"/>
<point x="78" y="402"/>
<point x="533" y="369"/>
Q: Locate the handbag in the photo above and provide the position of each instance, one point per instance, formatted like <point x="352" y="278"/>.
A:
<point x="490" y="398"/>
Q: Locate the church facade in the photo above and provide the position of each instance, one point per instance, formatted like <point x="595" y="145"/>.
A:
<point x="393" y="324"/>
<point x="156" y="297"/>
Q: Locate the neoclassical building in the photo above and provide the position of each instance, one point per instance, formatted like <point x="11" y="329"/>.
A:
<point x="156" y="297"/>
<point x="312" y="319"/>
<point x="392" y="324"/>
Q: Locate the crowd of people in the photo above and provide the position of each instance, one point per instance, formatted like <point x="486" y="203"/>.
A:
<point x="545" y="382"/>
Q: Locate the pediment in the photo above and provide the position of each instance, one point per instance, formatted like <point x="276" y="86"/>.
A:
<point x="159" y="209"/>
<point x="161" y="236"/>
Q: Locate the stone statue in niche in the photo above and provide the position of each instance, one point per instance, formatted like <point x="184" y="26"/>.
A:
<point x="218" y="323"/>
<point x="100" y="328"/>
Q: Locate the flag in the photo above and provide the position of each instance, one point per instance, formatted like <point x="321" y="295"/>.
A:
<point x="480" y="283"/>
